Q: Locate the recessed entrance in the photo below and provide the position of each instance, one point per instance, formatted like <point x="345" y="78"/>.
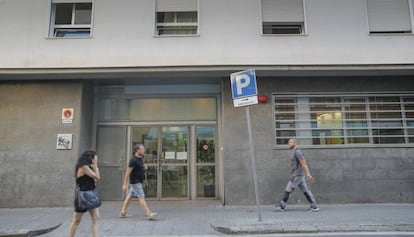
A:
<point x="180" y="159"/>
<point x="178" y="132"/>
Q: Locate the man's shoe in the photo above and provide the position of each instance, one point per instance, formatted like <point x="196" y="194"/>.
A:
<point x="279" y="207"/>
<point x="313" y="208"/>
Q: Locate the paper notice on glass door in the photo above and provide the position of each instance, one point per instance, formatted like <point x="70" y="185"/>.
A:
<point x="169" y="155"/>
<point x="181" y="155"/>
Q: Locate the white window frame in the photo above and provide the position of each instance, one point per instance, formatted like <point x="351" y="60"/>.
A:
<point x="53" y="29"/>
<point x="178" y="24"/>
<point x="302" y="24"/>
<point x="299" y="120"/>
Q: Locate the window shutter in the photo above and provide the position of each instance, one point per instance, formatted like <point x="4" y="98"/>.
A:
<point x="176" y="5"/>
<point x="282" y="11"/>
<point x="71" y="1"/>
<point x="388" y="15"/>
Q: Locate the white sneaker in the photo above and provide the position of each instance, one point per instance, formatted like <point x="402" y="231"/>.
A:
<point x="152" y="215"/>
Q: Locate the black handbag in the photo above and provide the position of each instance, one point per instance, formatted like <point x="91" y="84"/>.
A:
<point x="87" y="200"/>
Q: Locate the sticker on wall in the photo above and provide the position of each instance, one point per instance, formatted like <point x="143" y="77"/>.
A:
<point x="64" y="141"/>
<point x="67" y="115"/>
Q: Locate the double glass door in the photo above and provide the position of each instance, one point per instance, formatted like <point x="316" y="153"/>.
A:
<point x="180" y="161"/>
<point x="167" y="159"/>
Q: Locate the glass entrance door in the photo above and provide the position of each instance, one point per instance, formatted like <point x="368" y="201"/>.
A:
<point x="149" y="136"/>
<point x="166" y="157"/>
<point x="206" y="161"/>
<point x="174" y="162"/>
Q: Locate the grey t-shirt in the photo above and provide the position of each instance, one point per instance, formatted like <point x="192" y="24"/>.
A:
<point x="297" y="156"/>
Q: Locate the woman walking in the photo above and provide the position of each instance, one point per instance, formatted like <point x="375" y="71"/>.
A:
<point x="87" y="173"/>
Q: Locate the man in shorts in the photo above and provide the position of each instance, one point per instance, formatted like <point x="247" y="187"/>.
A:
<point x="299" y="171"/>
<point x="135" y="174"/>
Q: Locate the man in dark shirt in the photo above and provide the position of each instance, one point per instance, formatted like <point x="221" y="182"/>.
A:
<point x="135" y="175"/>
<point x="299" y="174"/>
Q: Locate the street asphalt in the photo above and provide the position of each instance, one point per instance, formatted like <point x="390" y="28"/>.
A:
<point x="210" y="218"/>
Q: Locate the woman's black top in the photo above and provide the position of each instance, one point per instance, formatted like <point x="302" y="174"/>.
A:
<point x="85" y="183"/>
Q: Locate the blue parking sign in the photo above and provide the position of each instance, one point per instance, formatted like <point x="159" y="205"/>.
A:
<point x="244" y="88"/>
<point x="243" y="84"/>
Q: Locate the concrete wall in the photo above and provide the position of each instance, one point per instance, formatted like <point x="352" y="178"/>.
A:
<point x="32" y="172"/>
<point x="230" y="34"/>
<point x="343" y="175"/>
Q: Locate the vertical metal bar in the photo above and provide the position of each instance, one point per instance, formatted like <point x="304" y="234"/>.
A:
<point x="253" y="161"/>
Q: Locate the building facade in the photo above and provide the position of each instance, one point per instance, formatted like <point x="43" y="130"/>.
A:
<point x="105" y="75"/>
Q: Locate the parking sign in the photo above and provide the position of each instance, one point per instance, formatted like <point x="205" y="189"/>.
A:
<point x="244" y="91"/>
<point x="244" y="88"/>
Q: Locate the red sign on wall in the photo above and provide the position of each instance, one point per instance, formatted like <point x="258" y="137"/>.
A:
<point x="67" y="115"/>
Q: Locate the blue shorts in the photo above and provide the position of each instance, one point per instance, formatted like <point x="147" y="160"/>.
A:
<point x="136" y="190"/>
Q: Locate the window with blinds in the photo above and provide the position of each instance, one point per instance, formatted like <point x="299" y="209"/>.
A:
<point x="176" y="17"/>
<point x="282" y="17"/>
<point x="71" y="19"/>
<point x="351" y="120"/>
<point x="389" y="16"/>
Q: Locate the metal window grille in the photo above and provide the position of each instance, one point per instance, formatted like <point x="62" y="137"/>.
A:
<point x="345" y="120"/>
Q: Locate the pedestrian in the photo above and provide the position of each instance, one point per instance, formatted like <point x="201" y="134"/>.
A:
<point x="299" y="175"/>
<point x="135" y="175"/>
<point x="87" y="174"/>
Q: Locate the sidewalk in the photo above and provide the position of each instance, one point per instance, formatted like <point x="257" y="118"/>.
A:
<point x="190" y="218"/>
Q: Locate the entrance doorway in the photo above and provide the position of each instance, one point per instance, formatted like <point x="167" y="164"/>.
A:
<point x="180" y="160"/>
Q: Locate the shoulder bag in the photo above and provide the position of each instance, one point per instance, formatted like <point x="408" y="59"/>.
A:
<point x="87" y="199"/>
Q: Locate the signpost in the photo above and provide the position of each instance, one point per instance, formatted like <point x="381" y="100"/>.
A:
<point x="244" y="92"/>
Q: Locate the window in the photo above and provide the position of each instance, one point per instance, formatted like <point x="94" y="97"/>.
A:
<point x="157" y="109"/>
<point x="177" y="17"/>
<point x="71" y="20"/>
<point x="408" y="104"/>
<point x="271" y="28"/>
<point x="388" y="16"/>
<point x="282" y="17"/>
<point x="344" y="120"/>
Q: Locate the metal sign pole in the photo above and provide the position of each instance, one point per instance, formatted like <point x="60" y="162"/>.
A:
<point x="253" y="160"/>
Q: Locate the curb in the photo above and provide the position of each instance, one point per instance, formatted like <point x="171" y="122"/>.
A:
<point x="308" y="229"/>
<point x="27" y="233"/>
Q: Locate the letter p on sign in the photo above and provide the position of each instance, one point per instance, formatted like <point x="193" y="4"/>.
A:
<point x="242" y="81"/>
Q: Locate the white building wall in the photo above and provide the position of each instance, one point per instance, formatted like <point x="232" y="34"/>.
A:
<point x="123" y="36"/>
